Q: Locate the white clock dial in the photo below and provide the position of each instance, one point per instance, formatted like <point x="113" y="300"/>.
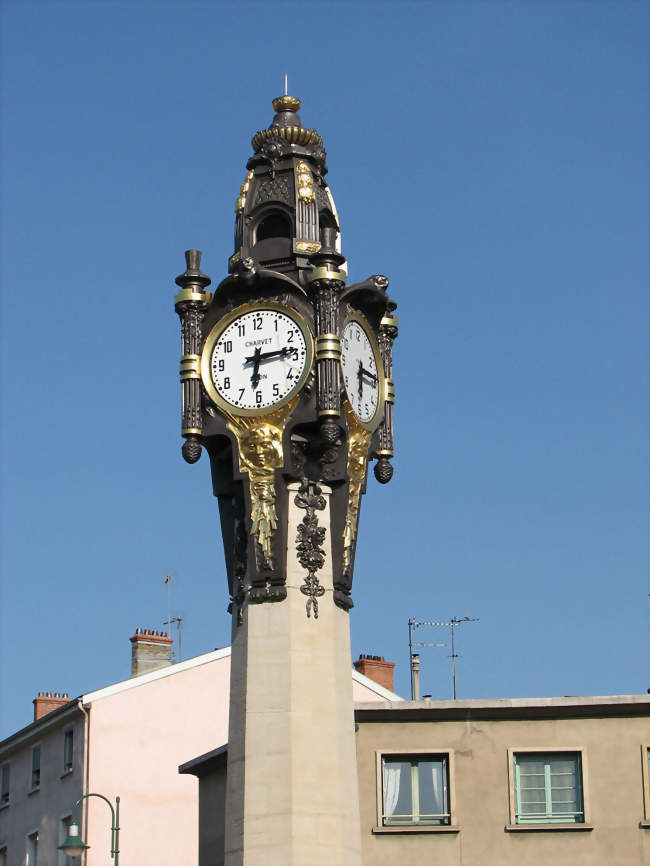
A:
<point x="259" y="359"/>
<point x="360" y="373"/>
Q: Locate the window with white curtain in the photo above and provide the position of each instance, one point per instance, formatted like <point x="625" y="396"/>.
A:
<point x="548" y="788"/>
<point x="415" y="789"/>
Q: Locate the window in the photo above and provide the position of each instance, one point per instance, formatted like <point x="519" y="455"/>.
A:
<point x="645" y="771"/>
<point x="68" y="747"/>
<point x="414" y="790"/>
<point x="32" y="849"/>
<point x="36" y="768"/>
<point x="64" y="828"/>
<point x="4" y="786"/>
<point x="548" y="788"/>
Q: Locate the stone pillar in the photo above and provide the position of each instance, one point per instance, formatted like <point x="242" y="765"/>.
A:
<point x="292" y="795"/>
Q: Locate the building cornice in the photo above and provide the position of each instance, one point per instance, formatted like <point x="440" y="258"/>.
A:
<point x="505" y="708"/>
<point x="37" y="729"/>
<point x="152" y="676"/>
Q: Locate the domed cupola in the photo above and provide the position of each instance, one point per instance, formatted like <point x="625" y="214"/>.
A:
<point x="285" y="211"/>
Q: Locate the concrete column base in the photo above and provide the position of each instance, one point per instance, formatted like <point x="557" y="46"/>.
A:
<point x="292" y="796"/>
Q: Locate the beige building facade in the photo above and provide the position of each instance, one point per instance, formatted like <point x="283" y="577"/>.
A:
<point x="530" y="782"/>
<point x="535" y="782"/>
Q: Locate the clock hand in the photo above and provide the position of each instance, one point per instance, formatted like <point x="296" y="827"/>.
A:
<point x="257" y="357"/>
<point x="263" y="356"/>
<point x="360" y="378"/>
<point x="368" y="374"/>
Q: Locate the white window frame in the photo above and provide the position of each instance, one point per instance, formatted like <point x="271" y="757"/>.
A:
<point x="645" y="775"/>
<point x="416" y="827"/>
<point x="584" y="782"/>
<point x="32" y="786"/>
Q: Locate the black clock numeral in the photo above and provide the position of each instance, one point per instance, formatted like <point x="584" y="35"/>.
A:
<point x="358" y="336"/>
<point x="222" y="365"/>
<point x="241" y="330"/>
<point x="258" y="398"/>
<point x="276" y="390"/>
<point x="275" y="322"/>
<point x="290" y="337"/>
<point x="257" y="323"/>
<point x="241" y="393"/>
<point x="226" y="383"/>
<point x="227" y="346"/>
<point x="293" y="353"/>
<point x="290" y="374"/>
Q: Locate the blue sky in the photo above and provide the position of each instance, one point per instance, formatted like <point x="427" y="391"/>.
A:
<point x="491" y="159"/>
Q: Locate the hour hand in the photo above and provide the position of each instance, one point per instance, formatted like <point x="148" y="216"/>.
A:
<point x="367" y="374"/>
<point x="256" y="358"/>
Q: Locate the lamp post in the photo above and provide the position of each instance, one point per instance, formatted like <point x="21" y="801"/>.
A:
<point x="74" y="846"/>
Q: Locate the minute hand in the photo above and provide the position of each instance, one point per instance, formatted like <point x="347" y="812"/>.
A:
<point x="265" y="355"/>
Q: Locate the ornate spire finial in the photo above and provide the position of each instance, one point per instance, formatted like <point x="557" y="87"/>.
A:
<point x="286" y="103"/>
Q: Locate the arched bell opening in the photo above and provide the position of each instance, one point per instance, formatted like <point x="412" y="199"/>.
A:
<point x="273" y="225"/>
<point x="272" y="236"/>
<point x="328" y="229"/>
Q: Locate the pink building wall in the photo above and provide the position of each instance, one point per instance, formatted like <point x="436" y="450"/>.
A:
<point x="141" y="730"/>
<point x="138" y="738"/>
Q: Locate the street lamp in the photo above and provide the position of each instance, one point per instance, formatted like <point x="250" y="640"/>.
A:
<point x="74" y="846"/>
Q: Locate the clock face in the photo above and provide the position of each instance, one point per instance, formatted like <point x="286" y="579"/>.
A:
<point x="256" y="359"/>
<point x="361" y="375"/>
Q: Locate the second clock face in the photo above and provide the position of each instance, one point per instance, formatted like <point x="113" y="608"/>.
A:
<point x="360" y="373"/>
<point x="259" y="359"/>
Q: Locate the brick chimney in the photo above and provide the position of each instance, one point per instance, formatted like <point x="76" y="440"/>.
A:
<point x="376" y="669"/>
<point x="46" y="702"/>
<point x="150" y="650"/>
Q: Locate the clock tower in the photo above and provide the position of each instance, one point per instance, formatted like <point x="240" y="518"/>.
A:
<point x="286" y="376"/>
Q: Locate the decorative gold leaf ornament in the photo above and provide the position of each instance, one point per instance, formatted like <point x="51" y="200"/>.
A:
<point x="243" y="192"/>
<point x="358" y="445"/>
<point x="259" y="443"/>
<point x="305" y="183"/>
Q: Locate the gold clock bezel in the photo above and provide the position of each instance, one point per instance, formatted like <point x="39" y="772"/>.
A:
<point x="217" y="331"/>
<point x="377" y="418"/>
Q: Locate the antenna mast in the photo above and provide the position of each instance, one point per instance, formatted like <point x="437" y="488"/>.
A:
<point x="452" y="623"/>
<point x="414" y="660"/>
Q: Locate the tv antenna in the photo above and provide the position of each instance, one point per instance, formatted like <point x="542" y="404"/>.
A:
<point x="453" y="624"/>
<point x="414" y="660"/>
<point x="178" y="619"/>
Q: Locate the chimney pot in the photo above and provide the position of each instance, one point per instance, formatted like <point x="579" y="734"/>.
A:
<point x="46" y="702"/>
<point x="374" y="667"/>
<point x="150" y="650"/>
